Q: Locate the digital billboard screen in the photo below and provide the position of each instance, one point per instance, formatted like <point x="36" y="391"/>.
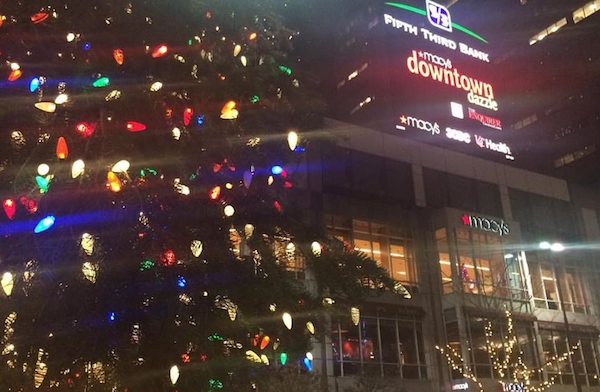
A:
<point x="440" y="77"/>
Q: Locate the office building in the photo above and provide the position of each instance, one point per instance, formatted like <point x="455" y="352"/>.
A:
<point x="463" y="235"/>
<point x="520" y="78"/>
<point x="438" y="167"/>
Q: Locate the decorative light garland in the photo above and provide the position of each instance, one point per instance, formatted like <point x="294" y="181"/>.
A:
<point x="518" y="372"/>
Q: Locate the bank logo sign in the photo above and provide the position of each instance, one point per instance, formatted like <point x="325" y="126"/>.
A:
<point x="439" y="16"/>
<point x="436" y="14"/>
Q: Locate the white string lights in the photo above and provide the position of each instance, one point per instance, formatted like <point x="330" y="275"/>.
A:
<point x="507" y="360"/>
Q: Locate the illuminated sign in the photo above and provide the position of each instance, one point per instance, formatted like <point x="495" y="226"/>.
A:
<point x="485" y="120"/>
<point x="438" y="16"/>
<point x="457" y="135"/>
<point x="435" y="38"/>
<point x="486" y="224"/>
<point x="453" y="134"/>
<point x="457" y="110"/>
<point x="513" y="387"/>
<point x="442" y="18"/>
<point x="439" y="52"/>
<point x="500" y="147"/>
<point x="485" y="102"/>
<point x="479" y="93"/>
<point x="463" y="386"/>
<point x="419" y="124"/>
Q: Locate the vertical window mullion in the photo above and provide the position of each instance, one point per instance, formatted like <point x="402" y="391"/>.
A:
<point x="578" y="353"/>
<point x="341" y="350"/>
<point x="417" y="348"/>
<point x="559" y="374"/>
<point x="596" y="357"/>
<point x="361" y="347"/>
<point x="398" y="348"/>
<point x="379" y="347"/>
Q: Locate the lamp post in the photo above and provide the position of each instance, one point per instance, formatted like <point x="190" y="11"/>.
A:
<point x="555" y="248"/>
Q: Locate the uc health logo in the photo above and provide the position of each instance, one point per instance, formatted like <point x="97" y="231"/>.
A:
<point x="439" y="16"/>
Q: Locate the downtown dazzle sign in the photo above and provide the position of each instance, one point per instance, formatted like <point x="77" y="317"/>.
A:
<point x="439" y="69"/>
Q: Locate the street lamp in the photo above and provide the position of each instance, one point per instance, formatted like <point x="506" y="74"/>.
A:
<point x="554" y="247"/>
<point x="558" y="247"/>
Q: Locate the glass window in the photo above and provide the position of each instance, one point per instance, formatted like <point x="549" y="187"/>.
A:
<point x="574" y="291"/>
<point x="483" y="333"/>
<point x="564" y="367"/>
<point x="284" y="250"/>
<point x="590" y="359"/>
<point x="514" y="274"/>
<point x="340" y="228"/>
<point x="585" y="11"/>
<point x="409" y="349"/>
<point x="389" y="343"/>
<point x="391" y="247"/>
<point x="539" y="294"/>
<point x="454" y="341"/>
<point x="286" y="254"/>
<point x="549" y="352"/>
<point x="526" y="343"/>
<point x="479" y="355"/>
<point x="481" y="265"/>
<point x="381" y="346"/>
<point x="545" y="290"/>
<point x="584" y="357"/>
<point x="345" y="342"/>
<point x="549" y="286"/>
<point x="441" y="238"/>
<point x="371" y="349"/>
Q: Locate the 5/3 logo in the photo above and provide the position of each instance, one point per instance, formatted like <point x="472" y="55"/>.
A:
<point x="439" y="16"/>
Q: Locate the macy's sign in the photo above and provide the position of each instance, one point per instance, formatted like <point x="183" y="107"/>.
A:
<point x="486" y="224"/>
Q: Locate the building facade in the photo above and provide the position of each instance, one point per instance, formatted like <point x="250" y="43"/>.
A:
<point x="463" y="235"/>
<point x="512" y="80"/>
<point x="450" y="118"/>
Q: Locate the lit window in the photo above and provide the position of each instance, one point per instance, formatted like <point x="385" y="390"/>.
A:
<point x="353" y="75"/>
<point x="390" y="247"/>
<point x="553" y="28"/>
<point x="386" y="344"/>
<point x="287" y="255"/>
<point x="575" y="155"/>
<point x="479" y="265"/>
<point x="283" y="247"/>
<point x="236" y="241"/>
<point x="525" y="122"/>
<point x="546" y="292"/>
<point x="364" y="102"/>
<point x="588" y="9"/>
<point x="480" y="359"/>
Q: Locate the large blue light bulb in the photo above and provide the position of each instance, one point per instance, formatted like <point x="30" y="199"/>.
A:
<point x="44" y="224"/>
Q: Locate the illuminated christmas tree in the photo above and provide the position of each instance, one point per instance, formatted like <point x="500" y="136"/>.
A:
<point x="153" y="221"/>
